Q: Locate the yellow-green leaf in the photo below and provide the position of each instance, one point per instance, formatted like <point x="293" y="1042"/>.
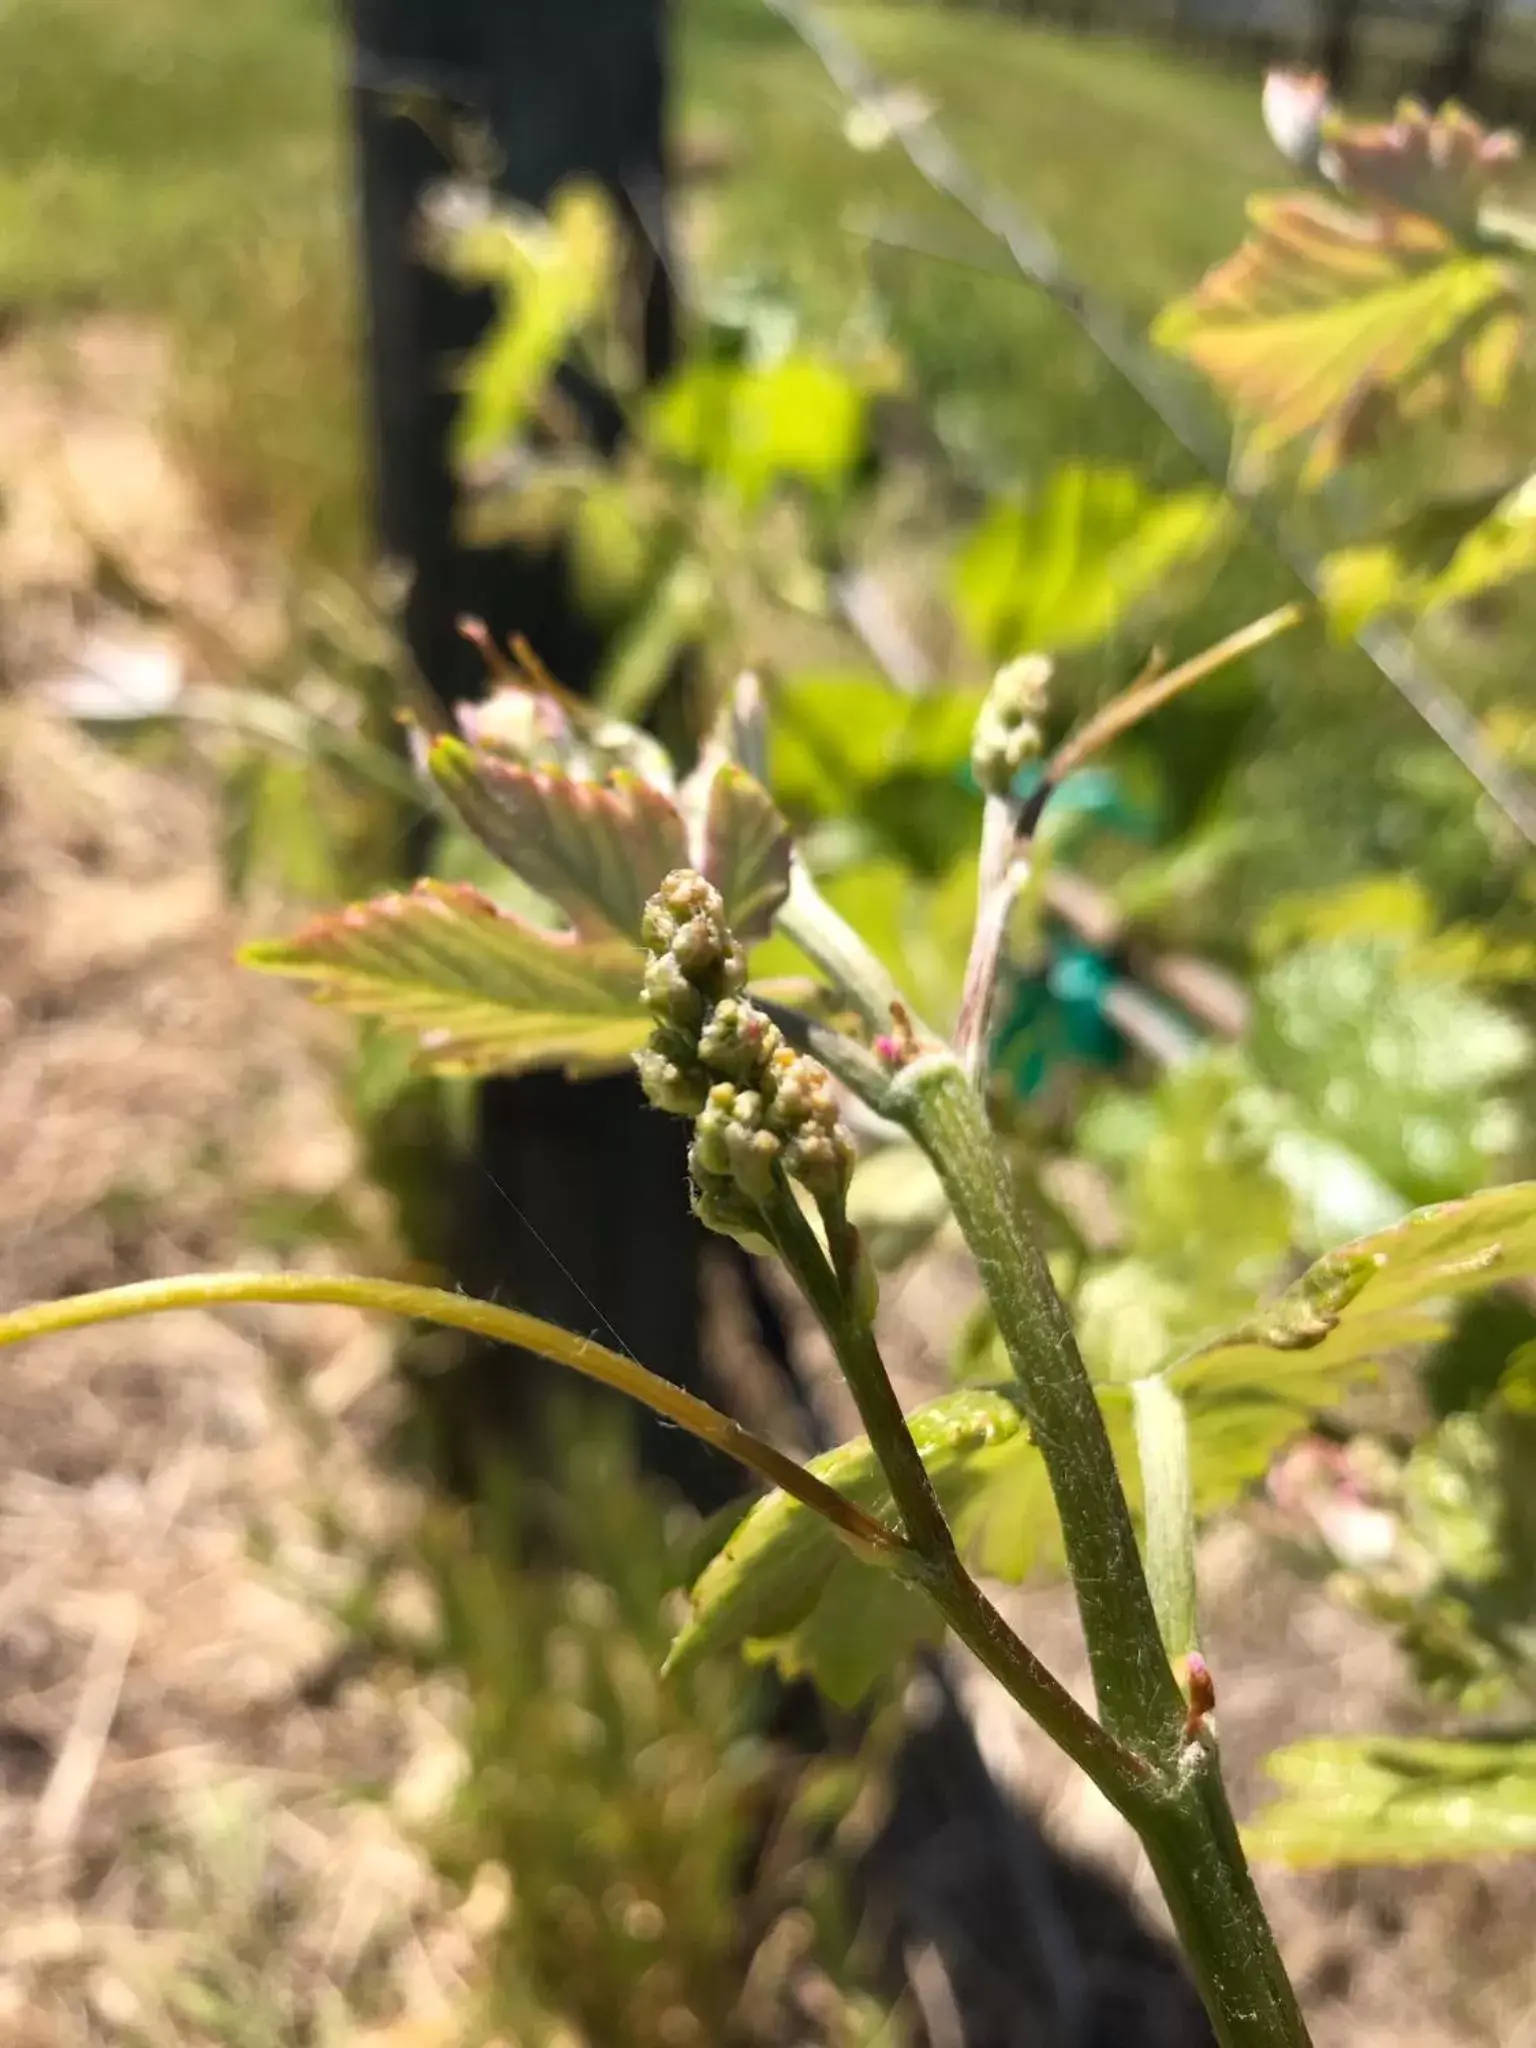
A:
<point x="801" y="418"/>
<point x="838" y="738"/>
<point x="1248" y="1392"/>
<point x="551" y="273"/>
<point x="1364" y="1800"/>
<point x="786" y="1588"/>
<point x="1405" y="574"/>
<point x="1064" y="567"/>
<point x="1326" y="322"/>
<point x="482" y="992"/>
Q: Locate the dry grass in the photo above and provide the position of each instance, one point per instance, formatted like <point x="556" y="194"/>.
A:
<point x="184" y="1854"/>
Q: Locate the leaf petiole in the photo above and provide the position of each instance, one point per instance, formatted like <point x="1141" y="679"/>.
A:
<point x="482" y="1319"/>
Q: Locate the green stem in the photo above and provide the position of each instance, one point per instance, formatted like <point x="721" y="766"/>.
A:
<point x="831" y="1296"/>
<point x="998" y="884"/>
<point x="1138" y="1696"/>
<point x="836" y="948"/>
<point x="1167" y="1509"/>
<point x="834" y="1296"/>
<point x="1118" y="1772"/>
<point x="1180" y="1812"/>
<point x="1197" y="1857"/>
<point x="481" y="1319"/>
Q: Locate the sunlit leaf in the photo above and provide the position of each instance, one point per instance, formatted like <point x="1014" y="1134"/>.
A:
<point x="801" y="418"/>
<point x="482" y="992"/>
<point x="1421" y="568"/>
<point x="744" y="850"/>
<point x="1328" y="322"/>
<point x="920" y="930"/>
<point x="552" y="274"/>
<point x="1499" y="549"/>
<point x="786" y="1588"/>
<point x="597" y="850"/>
<point x="1206" y="1220"/>
<point x="1066" y="566"/>
<point x="854" y="748"/>
<point x="1386" y="1053"/>
<point x="1361" y="583"/>
<point x="1363" y="1799"/>
<point x="1248" y="1392"/>
<point x="1394" y="907"/>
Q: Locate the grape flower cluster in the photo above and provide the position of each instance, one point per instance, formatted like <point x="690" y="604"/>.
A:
<point x="761" y="1110"/>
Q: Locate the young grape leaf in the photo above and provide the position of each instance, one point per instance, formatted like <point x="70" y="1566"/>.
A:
<point x="1248" y="1392"/>
<point x="1395" y="1056"/>
<point x="484" y="992"/>
<point x="1442" y="165"/>
<point x="1326" y="323"/>
<point x="533" y="722"/>
<point x="1413" y="572"/>
<point x="597" y="850"/>
<point x="1064" y="568"/>
<point x="801" y="418"/>
<point x="836" y="736"/>
<point x="744" y="851"/>
<point x="551" y="273"/>
<point x="787" y="1589"/>
<point x="1362" y="1800"/>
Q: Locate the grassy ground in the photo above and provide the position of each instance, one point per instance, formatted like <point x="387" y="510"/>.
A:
<point x="189" y="163"/>
<point x="186" y="163"/>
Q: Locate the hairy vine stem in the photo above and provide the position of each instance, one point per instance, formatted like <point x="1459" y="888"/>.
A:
<point x="1178" y="1805"/>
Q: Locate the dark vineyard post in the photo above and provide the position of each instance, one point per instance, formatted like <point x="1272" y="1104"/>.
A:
<point x="562" y="88"/>
<point x="1458" y="68"/>
<point x="1339" y="51"/>
<point x="575" y="1202"/>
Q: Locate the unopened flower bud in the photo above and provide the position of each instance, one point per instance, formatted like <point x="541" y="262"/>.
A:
<point x="710" y="1154"/>
<point x="739" y="1041"/>
<point x="802" y="1110"/>
<point x="821" y="1160"/>
<point x="1008" y="731"/>
<point x="709" y="956"/>
<point x="684" y="894"/>
<point x="675" y="1086"/>
<point x="755" y="1158"/>
<point x="801" y="1091"/>
<point x="729" y="1142"/>
<point x="671" y="997"/>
